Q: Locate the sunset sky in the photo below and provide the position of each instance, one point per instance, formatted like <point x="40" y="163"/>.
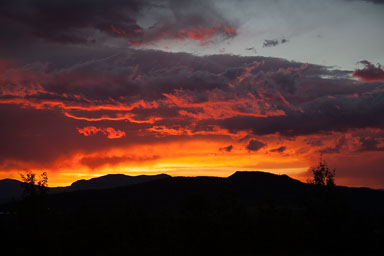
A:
<point x="92" y="87"/>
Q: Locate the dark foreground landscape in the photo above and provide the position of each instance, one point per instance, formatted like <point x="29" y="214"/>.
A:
<point x="248" y="213"/>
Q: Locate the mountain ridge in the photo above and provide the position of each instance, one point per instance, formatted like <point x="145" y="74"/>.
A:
<point x="11" y="189"/>
<point x="264" y="182"/>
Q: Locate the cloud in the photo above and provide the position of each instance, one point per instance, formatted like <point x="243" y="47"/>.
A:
<point x="199" y="94"/>
<point x="95" y="22"/>
<point x="336" y="149"/>
<point x="254" y="145"/>
<point x="49" y="20"/>
<point x="274" y="42"/>
<point x="279" y="149"/>
<point x="97" y="162"/>
<point x="321" y="114"/>
<point x="371" y="144"/>
<point x="370" y="73"/>
<point x="197" y="20"/>
<point x="270" y="43"/>
<point x="110" y="132"/>
<point x="227" y="149"/>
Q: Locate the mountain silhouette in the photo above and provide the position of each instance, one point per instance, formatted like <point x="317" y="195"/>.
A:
<point x="253" y="185"/>
<point x="114" y="180"/>
<point x="267" y="182"/>
<point x="12" y="189"/>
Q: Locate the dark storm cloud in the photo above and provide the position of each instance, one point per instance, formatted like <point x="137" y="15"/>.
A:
<point x="370" y="72"/>
<point x="254" y="145"/>
<point x="146" y="75"/>
<point x="95" y="21"/>
<point x="63" y="21"/>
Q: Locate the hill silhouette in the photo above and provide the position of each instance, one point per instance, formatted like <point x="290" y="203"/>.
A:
<point x="248" y="213"/>
<point x="10" y="190"/>
<point x="114" y="180"/>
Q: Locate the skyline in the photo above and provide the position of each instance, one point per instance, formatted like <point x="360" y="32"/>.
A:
<point x="89" y="88"/>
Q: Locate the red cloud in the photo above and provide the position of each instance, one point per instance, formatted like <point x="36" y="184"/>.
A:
<point x="370" y="73"/>
<point x="110" y="132"/>
<point x="203" y="33"/>
<point x="138" y="36"/>
<point x="198" y="33"/>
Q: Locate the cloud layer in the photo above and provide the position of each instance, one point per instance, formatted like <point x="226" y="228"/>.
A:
<point x="129" y="97"/>
<point x="98" y="22"/>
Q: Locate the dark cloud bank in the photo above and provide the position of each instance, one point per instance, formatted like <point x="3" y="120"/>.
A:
<point x="41" y="23"/>
<point x="140" y="90"/>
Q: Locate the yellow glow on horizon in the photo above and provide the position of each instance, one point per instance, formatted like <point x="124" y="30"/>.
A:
<point x="182" y="158"/>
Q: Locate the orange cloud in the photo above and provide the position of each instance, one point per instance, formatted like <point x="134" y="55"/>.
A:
<point x="110" y="132"/>
<point x="118" y="117"/>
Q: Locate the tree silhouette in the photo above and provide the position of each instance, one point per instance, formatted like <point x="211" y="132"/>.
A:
<point x="322" y="175"/>
<point x="43" y="183"/>
<point x="33" y="211"/>
<point x="32" y="187"/>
